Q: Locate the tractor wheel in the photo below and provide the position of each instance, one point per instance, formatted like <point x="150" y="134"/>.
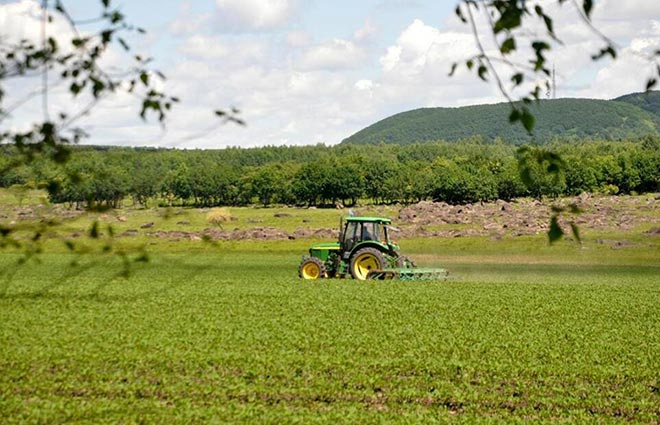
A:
<point x="404" y="262"/>
<point x="311" y="268"/>
<point x="364" y="261"/>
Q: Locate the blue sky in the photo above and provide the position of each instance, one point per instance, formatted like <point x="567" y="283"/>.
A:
<point x="314" y="71"/>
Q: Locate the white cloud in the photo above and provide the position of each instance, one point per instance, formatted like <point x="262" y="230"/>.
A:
<point x="332" y="55"/>
<point x="422" y="51"/>
<point x="187" y="24"/>
<point x="298" y="39"/>
<point x="365" y="85"/>
<point x="21" y="20"/>
<point x="218" y="51"/>
<point x="253" y="15"/>
<point x="366" y="32"/>
<point x="629" y="10"/>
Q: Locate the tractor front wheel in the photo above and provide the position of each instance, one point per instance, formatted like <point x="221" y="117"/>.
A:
<point x="364" y="261"/>
<point x="311" y="268"/>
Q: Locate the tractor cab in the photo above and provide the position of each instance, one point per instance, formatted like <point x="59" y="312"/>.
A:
<point x="358" y="230"/>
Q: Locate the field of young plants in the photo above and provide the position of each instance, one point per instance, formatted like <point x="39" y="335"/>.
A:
<point x="227" y="332"/>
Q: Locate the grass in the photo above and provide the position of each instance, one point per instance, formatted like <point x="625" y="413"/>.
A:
<point x="226" y="332"/>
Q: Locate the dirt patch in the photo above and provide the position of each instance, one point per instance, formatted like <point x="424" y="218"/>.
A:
<point x="525" y="216"/>
<point x="495" y="220"/>
<point x="653" y="231"/>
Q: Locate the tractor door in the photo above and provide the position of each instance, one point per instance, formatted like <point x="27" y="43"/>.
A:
<point x="350" y="237"/>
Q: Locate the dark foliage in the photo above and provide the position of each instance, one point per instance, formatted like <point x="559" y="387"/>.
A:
<point x="632" y="116"/>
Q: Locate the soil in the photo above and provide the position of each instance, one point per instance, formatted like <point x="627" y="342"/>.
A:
<point x="495" y="219"/>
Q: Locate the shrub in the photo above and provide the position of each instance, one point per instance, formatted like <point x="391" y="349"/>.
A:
<point x="217" y="216"/>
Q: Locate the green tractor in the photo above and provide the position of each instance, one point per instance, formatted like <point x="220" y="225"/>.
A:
<point x="364" y="251"/>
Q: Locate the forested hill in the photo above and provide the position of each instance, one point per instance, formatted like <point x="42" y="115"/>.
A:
<point x="648" y="101"/>
<point x="629" y="116"/>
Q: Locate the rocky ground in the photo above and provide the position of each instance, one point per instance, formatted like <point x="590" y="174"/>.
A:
<point x="425" y="219"/>
<point x="496" y="219"/>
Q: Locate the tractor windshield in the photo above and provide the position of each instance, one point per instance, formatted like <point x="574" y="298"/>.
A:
<point x="356" y="232"/>
<point x="374" y="232"/>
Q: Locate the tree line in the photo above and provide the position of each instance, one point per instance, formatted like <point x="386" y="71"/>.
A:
<point x="459" y="172"/>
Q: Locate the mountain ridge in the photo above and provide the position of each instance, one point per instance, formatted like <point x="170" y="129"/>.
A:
<point x="629" y="116"/>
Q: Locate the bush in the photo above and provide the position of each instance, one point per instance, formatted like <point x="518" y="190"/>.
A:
<point x="217" y="216"/>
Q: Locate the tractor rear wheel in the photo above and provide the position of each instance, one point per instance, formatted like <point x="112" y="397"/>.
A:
<point x="364" y="261"/>
<point x="311" y="268"/>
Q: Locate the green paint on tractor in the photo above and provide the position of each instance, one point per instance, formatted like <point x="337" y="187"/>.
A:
<point x="363" y="251"/>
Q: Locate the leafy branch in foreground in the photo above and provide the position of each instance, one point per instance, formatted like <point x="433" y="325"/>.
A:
<point x="538" y="164"/>
<point x="508" y="23"/>
<point x="71" y="60"/>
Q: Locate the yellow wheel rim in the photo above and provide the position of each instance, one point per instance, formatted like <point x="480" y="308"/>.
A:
<point x="311" y="271"/>
<point x="365" y="263"/>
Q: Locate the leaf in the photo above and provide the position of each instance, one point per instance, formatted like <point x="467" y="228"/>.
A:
<point x="517" y="78"/>
<point x="482" y="72"/>
<point x="547" y="20"/>
<point x="527" y="120"/>
<point x="548" y="24"/>
<point x="510" y="18"/>
<point x="144" y="77"/>
<point x="526" y="176"/>
<point x="574" y="209"/>
<point x="97" y="87"/>
<point x="116" y="17"/>
<point x="75" y="88"/>
<point x="469" y="64"/>
<point x="555" y="232"/>
<point x="553" y="168"/>
<point x="508" y="45"/>
<point x="106" y="36"/>
<point x="142" y="258"/>
<point x="557" y="209"/>
<point x="460" y="15"/>
<point x="78" y="42"/>
<point x="651" y="83"/>
<point x="53" y="44"/>
<point x="124" y="44"/>
<point x="587" y="5"/>
<point x="514" y="115"/>
<point x="576" y="231"/>
<point x="94" y="230"/>
<point x="609" y="50"/>
<point x="5" y="231"/>
<point x="540" y="46"/>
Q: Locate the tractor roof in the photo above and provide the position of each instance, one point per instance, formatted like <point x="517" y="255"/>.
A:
<point x="369" y="220"/>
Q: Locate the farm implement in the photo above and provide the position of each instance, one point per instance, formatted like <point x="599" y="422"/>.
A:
<point x="364" y="251"/>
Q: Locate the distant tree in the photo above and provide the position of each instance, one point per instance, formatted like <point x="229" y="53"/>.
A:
<point x="308" y="183"/>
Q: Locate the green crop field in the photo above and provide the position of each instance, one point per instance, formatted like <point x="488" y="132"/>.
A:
<point x="228" y="333"/>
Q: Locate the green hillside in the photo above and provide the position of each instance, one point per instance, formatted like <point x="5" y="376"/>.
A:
<point x="647" y="101"/>
<point x="561" y="118"/>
